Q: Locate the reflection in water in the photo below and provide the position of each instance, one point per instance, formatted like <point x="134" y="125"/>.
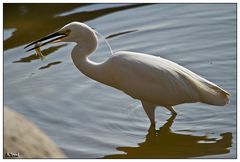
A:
<point x="8" y="33"/>
<point x="121" y="33"/>
<point x="50" y="64"/>
<point x="164" y="143"/>
<point x="35" y="57"/>
<point x="33" y="28"/>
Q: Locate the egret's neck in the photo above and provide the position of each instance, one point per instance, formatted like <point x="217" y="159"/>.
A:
<point x="91" y="69"/>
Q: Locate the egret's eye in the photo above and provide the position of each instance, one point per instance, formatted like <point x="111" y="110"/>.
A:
<point x="67" y="32"/>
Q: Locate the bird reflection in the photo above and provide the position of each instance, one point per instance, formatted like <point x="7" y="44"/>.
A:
<point x="164" y="143"/>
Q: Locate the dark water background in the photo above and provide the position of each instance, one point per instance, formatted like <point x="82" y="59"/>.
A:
<point x="89" y="120"/>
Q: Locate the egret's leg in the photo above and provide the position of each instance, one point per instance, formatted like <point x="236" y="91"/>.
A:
<point x="170" y="108"/>
<point x="150" y="111"/>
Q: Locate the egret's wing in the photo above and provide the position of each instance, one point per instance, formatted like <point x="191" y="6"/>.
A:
<point x="153" y="79"/>
<point x="161" y="81"/>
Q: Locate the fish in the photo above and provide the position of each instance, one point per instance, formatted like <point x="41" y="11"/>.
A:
<point x="38" y="50"/>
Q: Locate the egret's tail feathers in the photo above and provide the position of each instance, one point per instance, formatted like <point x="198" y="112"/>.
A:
<point x="214" y="95"/>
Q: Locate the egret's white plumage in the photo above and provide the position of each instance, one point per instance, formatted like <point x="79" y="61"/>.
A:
<point x="153" y="80"/>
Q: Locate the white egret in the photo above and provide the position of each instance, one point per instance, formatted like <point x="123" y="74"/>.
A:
<point x="153" y="80"/>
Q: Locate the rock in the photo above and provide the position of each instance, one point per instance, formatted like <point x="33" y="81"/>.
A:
<point x="23" y="139"/>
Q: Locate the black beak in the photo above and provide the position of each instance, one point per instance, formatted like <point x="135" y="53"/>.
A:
<point x="56" y="37"/>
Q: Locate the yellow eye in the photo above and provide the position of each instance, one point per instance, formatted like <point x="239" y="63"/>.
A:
<point x="67" y="31"/>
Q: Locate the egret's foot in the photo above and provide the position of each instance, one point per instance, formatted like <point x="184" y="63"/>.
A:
<point x="152" y="128"/>
<point x="170" y="108"/>
<point x="153" y="124"/>
<point x="173" y="112"/>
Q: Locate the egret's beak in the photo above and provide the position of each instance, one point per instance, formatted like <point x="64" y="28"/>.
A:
<point x="57" y="36"/>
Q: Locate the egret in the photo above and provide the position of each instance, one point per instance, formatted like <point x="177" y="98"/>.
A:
<point x="154" y="81"/>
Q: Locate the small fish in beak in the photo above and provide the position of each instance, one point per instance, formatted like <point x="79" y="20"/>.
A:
<point x="51" y="38"/>
<point x="38" y="50"/>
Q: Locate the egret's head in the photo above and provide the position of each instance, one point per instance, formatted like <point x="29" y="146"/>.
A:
<point x="76" y="32"/>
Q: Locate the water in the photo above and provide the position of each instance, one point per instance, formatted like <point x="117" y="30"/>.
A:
<point x="89" y="120"/>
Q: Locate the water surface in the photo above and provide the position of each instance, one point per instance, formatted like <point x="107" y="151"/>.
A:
<point x="87" y="119"/>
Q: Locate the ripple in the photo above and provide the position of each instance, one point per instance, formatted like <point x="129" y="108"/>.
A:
<point x="50" y="64"/>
